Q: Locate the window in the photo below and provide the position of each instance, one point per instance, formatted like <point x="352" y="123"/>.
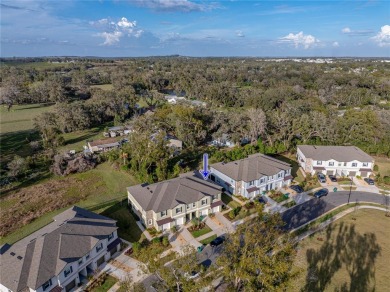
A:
<point x="365" y="164"/>
<point x="46" y="285"/>
<point x="354" y="164"/>
<point x="99" y="247"/>
<point x="150" y="221"/>
<point x="163" y="213"/>
<point x="178" y="210"/>
<point x="193" y="205"/>
<point x="251" y="183"/>
<point x="204" y="202"/>
<point x="80" y="261"/>
<point x="345" y="164"/>
<point x="87" y="257"/>
<point x="319" y="162"/>
<point x="331" y="163"/>
<point x="188" y="206"/>
<point x="110" y="236"/>
<point x="279" y="175"/>
<point x="262" y="180"/>
<point x="339" y="163"/>
<point x="68" y="271"/>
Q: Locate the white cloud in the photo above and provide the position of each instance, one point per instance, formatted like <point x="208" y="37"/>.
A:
<point x="240" y="34"/>
<point x="300" y="39"/>
<point x="113" y="31"/>
<point x="383" y="37"/>
<point x="362" y="32"/>
<point x="174" y="5"/>
<point x="336" y="44"/>
<point x="346" y="30"/>
<point x="111" y="37"/>
<point x="125" y="23"/>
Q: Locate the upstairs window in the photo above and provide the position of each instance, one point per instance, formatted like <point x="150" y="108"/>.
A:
<point x="163" y="213"/>
<point x="150" y="221"/>
<point x="46" y="285"/>
<point x="251" y="183"/>
<point x="80" y="261"/>
<point x="110" y="236"/>
<point x="354" y="164"/>
<point x="331" y="163"/>
<point x="87" y="257"/>
<point x="99" y="247"/>
<point x="365" y="164"/>
<point x="68" y="271"/>
<point x="178" y="210"/>
<point x="319" y="162"/>
<point x="189" y="206"/>
<point x="204" y="202"/>
<point x="193" y="205"/>
<point x="345" y="164"/>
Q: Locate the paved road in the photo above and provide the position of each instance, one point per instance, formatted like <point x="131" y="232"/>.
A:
<point x="303" y="213"/>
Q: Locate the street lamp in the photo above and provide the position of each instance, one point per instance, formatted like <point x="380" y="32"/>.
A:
<point x="350" y="190"/>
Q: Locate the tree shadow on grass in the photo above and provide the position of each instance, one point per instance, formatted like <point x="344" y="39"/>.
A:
<point x="126" y="222"/>
<point x="348" y="250"/>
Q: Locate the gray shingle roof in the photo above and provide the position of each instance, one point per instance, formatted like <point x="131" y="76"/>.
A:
<point x="338" y="153"/>
<point x="46" y="252"/>
<point x="251" y="168"/>
<point x="170" y="193"/>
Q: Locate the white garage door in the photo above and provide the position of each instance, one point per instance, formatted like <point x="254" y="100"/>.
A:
<point x="166" y="226"/>
<point x="180" y="221"/>
<point x="204" y="212"/>
<point x="215" y="209"/>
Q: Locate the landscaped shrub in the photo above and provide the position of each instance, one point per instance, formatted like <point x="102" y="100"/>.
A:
<point x="165" y="241"/>
<point x="237" y="210"/>
<point x="174" y="229"/>
<point x="376" y="167"/>
<point x="156" y="240"/>
<point x="136" y="246"/>
<point x="232" y="214"/>
<point x="249" y="205"/>
<point x="386" y="179"/>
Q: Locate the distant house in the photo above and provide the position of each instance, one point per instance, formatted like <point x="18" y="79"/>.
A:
<point x="118" y="131"/>
<point x="173" y="99"/>
<point x="223" y="141"/>
<point x="336" y="160"/>
<point x="175" y="144"/>
<point x="60" y="255"/>
<point x="103" y="145"/>
<point x="174" y="202"/>
<point x="251" y="176"/>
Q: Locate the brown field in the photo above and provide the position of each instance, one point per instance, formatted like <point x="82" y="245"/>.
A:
<point x="350" y="255"/>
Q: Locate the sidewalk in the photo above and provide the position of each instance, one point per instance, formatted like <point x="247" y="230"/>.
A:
<point x="144" y="231"/>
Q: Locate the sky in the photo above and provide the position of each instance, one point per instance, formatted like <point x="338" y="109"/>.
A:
<point x="132" y="28"/>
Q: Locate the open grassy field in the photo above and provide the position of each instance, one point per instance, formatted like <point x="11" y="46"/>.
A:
<point x="103" y="86"/>
<point x="383" y="165"/>
<point x="27" y="209"/>
<point x="16" y="126"/>
<point x="350" y="255"/>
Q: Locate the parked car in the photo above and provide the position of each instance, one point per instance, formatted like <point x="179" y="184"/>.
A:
<point x="219" y="240"/>
<point x="321" y="177"/>
<point x="297" y="188"/>
<point x="321" y="193"/>
<point x="332" y="178"/>
<point x="370" y="181"/>
<point x="263" y="200"/>
<point x="192" y="275"/>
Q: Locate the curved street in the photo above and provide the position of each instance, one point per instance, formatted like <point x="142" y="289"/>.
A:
<point x="305" y="212"/>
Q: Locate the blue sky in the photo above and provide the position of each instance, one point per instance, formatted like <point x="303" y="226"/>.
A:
<point x="195" y="28"/>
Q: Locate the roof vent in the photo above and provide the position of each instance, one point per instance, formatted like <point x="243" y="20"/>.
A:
<point x="12" y="253"/>
<point x="19" y="257"/>
<point x="151" y="191"/>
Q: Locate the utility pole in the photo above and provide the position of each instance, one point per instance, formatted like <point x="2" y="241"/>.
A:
<point x="350" y="190"/>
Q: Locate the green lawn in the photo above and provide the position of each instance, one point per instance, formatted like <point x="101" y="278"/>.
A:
<point x="295" y="172"/>
<point x="350" y="255"/>
<point x="227" y="200"/>
<point x="97" y="190"/>
<point x="208" y="239"/>
<point x="201" y="232"/>
<point x="128" y="228"/>
<point x="16" y="129"/>
<point x="107" y="284"/>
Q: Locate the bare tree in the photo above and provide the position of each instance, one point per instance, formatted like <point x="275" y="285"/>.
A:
<point x="257" y="123"/>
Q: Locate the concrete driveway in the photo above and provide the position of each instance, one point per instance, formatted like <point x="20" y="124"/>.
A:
<point x="362" y="186"/>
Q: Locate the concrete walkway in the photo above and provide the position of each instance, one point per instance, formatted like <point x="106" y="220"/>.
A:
<point x="228" y="226"/>
<point x="144" y="231"/>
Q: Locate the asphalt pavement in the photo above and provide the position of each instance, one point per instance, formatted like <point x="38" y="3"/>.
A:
<point x="310" y="210"/>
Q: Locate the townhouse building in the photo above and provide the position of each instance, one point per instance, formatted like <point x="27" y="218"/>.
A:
<point x="251" y="176"/>
<point x="174" y="202"/>
<point x="335" y="160"/>
<point x="60" y="255"/>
